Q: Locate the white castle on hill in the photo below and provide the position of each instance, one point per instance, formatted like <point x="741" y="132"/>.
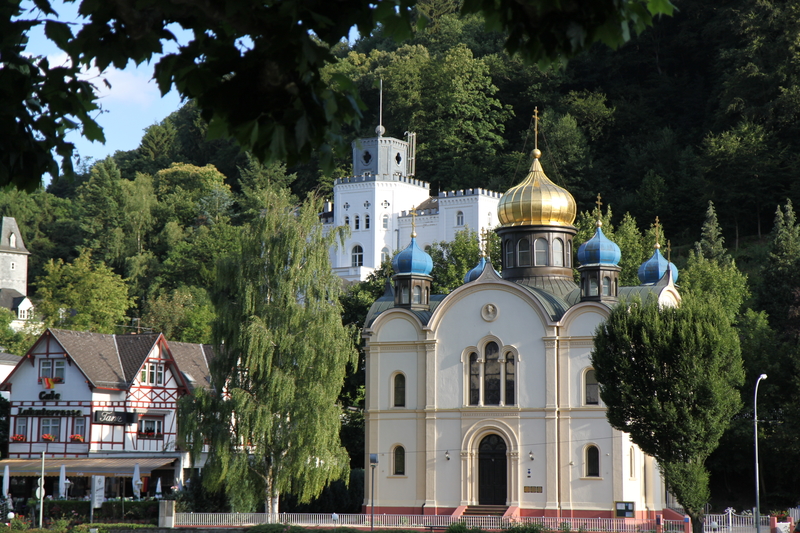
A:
<point x="376" y="204"/>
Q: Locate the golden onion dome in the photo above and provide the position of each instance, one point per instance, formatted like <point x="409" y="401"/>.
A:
<point x="537" y="201"/>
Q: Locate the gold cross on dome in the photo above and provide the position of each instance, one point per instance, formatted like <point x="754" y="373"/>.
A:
<point x="658" y="227"/>
<point x="669" y="251"/>
<point x="484" y="241"/>
<point x="599" y="211"/>
<point x="536" y="128"/>
<point x="413" y="213"/>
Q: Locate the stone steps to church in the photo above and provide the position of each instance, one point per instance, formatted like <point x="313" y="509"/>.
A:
<point x="485" y="510"/>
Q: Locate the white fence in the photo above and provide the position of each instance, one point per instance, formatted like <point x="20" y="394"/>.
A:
<point x="714" y="523"/>
<point x="626" y="525"/>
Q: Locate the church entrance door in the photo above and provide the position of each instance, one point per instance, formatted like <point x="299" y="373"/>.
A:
<point x="492" y="471"/>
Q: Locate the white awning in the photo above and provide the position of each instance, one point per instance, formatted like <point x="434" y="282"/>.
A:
<point x="99" y="466"/>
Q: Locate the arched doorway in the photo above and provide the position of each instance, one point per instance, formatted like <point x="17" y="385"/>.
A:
<point x="492" y="471"/>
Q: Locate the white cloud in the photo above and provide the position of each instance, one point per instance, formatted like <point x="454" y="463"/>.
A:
<point x="132" y="86"/>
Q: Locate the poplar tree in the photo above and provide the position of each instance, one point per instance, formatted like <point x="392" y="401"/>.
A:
<point x="669" y="377"/>
<point x="271" y="421"/>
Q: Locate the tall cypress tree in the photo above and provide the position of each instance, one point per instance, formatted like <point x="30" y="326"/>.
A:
<point x="272" y="422"/>
<point x="669" y="378"/>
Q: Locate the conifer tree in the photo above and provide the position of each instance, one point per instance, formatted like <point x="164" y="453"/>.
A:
<point x="779" y="275"/>
<point x="669" y="378"/>
<point x="712" y="244"/>
<point x="272" y="422"/>
<point x="711" y="273"/>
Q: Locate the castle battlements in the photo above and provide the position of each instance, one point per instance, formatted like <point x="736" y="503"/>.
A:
<point x="365" y="178"/>
<point x="470" y="192"/>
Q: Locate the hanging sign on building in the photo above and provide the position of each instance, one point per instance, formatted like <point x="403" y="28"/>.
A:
<point x="113" y="417"/>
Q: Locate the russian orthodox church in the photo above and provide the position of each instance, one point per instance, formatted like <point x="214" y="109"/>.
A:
<point x="376" y="204"/>
<point x="486" y="396"/>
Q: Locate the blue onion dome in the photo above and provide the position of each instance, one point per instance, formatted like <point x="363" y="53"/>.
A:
<point x="654" y="268"/>
<point x="599" y="250"/>
<point x="413" y="260"/>
<point x="476" y="272"/>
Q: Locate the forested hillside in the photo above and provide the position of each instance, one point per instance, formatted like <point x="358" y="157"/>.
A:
<point x="702" y="107"/>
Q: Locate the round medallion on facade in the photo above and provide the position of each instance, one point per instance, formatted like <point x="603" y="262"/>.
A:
<point x="489" y="312"/>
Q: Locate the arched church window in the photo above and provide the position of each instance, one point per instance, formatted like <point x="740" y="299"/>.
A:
<point x="490" y="378"/>
<point x="346" y="221"/>
<point x="356" y="221"/>
<point x="524" y="252"/>
<point x="591" y="389"/>
<point x="366" y="221"/>
<point x="416" y="295"/>
<point x="491" y="375"/>
<point x="384" y="255"/>
<point x="12" y="240"/>
<point x="474" y="379"/>
<point x="426" y="300"/>
<point x="632" y="460"/>
<point x="385" y="221"/>
<point x="404" y="294"/>
<point x="509" y="262"/>
<point x="399" y="390"/>
<point x="460" y="218"/>
<point x="569" y="254"/>
<point x="510" y="379"/>
<point x="606" y="286"/>
<point x="558" y="253"/>
<point x="592" y="461"/>
<point x="357" y="256"/>
<point x="540" y="249"/>
<point x="399" y="466"/>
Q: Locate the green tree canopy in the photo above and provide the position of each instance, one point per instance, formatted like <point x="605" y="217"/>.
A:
<point x="82" y="295"/>
<point x="669" y="378"/>
<point x="272" y="420"/>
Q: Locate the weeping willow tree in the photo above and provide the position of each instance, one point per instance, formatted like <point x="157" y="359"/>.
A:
<point x="271" y="421"/>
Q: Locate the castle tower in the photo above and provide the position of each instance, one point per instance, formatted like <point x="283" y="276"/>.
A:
<point x="13" y="257"/>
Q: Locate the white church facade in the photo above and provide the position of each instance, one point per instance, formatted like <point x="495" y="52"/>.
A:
<point x="486" y="396"/>
<point x="376" y="203"/>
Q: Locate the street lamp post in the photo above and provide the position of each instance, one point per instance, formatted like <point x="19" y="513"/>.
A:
<point x="755" y="429"/>
<point x="373" y="462"/>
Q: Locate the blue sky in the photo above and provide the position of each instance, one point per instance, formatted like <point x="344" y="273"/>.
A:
<point x="131" y="104"/>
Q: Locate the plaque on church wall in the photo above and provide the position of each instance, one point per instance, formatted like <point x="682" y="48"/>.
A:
<point x="529" y="489"/>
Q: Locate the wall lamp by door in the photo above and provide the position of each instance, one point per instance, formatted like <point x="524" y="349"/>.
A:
<point x="530" y="454"/>
<point x="447" y="455"/>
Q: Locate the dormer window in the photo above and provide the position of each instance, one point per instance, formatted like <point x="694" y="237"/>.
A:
<point x="152" y="374"/>
<point x="12" y="240"/>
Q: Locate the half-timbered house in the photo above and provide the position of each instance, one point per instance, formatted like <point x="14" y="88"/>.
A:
<point x="100" y="405"/>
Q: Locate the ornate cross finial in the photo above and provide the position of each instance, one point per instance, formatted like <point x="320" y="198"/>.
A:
<point x="669" y="251"/>
<point x="413" y="213"/>
<point x="484" y="241"/>
<point x="536" y="128"/>
<point x="658" y="227"/>
<point x="599" y="211"/>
